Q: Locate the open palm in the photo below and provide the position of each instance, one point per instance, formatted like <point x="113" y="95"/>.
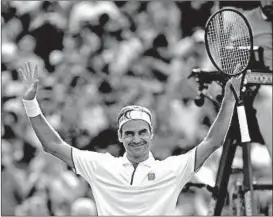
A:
<point x="30" y="79"/>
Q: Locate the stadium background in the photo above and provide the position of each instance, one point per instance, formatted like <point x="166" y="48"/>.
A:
<point x="95" y="57"/>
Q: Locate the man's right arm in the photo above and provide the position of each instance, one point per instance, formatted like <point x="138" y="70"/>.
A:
<point x="51" y="141"/>
<point x="49" y="138"/>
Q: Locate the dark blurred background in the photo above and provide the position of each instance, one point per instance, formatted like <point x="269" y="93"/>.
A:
<point x="94" y="58"/>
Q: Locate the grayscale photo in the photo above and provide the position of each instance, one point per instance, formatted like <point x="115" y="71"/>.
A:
<point x="136" y="108"/>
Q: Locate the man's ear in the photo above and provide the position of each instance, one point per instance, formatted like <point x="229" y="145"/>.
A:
<point x="119" y="136"/>
<point x="152" y="133"/>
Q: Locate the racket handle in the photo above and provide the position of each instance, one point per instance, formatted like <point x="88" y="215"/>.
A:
<point x="243" y="123"/>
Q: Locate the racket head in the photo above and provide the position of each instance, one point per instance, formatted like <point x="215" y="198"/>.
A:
<point x="229" y="41"/>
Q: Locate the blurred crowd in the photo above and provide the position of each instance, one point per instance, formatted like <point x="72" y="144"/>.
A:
<point x="95" y="57"/>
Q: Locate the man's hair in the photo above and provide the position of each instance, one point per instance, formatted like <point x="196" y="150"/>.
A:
<point x="127" y="109"/>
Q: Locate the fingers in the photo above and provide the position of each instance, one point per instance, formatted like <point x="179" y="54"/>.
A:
<point x="36" y="82"/>
<point x="29" y="75"/>
<point x="239" y="76"/>
<point x="237" y="68"/>
<point x="36" y="72"/>
<point x="22" y="75"/>
<point x="28" y="70"/>
<point x="34" y="86"/>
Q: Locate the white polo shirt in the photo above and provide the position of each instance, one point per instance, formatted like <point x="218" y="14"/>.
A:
<point x="118" y="189"/>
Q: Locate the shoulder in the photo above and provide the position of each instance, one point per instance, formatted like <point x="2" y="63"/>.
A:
<point x="93" y="156"/>
<point x="180" y="159"/>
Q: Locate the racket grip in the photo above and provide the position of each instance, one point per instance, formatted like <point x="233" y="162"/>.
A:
<point x="243" y="124"/>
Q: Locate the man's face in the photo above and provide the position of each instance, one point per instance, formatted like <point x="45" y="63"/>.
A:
<point x="136" y="138"/>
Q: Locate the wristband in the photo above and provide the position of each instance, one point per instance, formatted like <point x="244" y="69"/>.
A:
<point x="32" y="107"/>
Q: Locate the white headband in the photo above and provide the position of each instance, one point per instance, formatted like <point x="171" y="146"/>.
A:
<point x="135" y="115"/>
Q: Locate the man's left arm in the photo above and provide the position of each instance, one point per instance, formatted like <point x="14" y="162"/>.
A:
<point x="220" y="126"/>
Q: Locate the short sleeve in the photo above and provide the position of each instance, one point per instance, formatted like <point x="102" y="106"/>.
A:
<point x="183" y="166"/>
<point x="85" y="163"/>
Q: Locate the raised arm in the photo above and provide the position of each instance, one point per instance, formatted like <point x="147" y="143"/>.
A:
<point x="220" y="126"/>
<point x="49" y="138"/>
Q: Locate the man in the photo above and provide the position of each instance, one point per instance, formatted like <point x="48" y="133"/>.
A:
<point x="135" y="184"/>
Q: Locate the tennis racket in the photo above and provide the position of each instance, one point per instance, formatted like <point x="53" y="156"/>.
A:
<point x="229" y="42"/>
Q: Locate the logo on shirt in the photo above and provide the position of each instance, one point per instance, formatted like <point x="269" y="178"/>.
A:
<point x="151" y="176"/>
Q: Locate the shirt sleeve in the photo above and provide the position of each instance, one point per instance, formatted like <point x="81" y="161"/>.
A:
<point x="85" y="163"/>
<point x="183" y="166"/>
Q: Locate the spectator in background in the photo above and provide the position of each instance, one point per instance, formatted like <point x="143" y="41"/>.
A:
<point x="261" y="19"/>
<point x="11" y="192"/>
<point x="83" y="207"/>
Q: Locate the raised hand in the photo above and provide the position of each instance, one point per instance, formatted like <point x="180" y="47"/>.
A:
<point x="235" y="82"/>
<point x="30" y="79"/>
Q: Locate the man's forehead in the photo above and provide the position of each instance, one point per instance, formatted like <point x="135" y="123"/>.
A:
<point x="135" y="125"/>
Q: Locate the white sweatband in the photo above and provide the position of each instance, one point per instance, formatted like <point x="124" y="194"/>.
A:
<point x="32" y="107"/>
<point x="135" y="115"/>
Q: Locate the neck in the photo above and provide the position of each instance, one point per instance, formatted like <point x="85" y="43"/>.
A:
<point x="137" y="160"/>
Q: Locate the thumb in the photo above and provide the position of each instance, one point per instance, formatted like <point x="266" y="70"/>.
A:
<point x="31" y="91"/>
<point x="34" y="86"/>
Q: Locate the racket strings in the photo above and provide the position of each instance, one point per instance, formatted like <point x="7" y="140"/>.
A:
<point x="229" y="41"/>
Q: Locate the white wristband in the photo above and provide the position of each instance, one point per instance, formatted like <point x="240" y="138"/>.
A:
<point x="32" y="107"/>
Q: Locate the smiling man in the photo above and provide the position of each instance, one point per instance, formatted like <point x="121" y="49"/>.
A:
<point x="136" y="183"/>
<point x="135" y="132"/>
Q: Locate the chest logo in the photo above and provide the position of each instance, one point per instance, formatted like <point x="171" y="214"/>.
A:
<point x="151" y="176"/>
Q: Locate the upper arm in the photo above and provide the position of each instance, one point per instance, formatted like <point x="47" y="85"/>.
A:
<point x="63" y="151"/>
<point x="203" y="151"/>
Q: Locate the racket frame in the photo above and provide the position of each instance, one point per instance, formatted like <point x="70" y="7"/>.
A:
<point x="251" y="40"/>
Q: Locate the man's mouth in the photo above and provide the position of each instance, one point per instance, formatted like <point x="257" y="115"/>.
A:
<point x="137" y="145"/>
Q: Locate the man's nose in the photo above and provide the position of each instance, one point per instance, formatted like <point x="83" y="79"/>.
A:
<point x="137" y="139"/>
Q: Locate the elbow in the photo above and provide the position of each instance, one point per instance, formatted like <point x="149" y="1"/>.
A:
<point x="50" y="151"/>
<point x="49" y="148"/>
<point x="215" y="143"/>
<point x="46" y="149"/>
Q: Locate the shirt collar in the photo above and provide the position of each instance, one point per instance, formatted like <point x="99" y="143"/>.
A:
<point x="147" y="162"/>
